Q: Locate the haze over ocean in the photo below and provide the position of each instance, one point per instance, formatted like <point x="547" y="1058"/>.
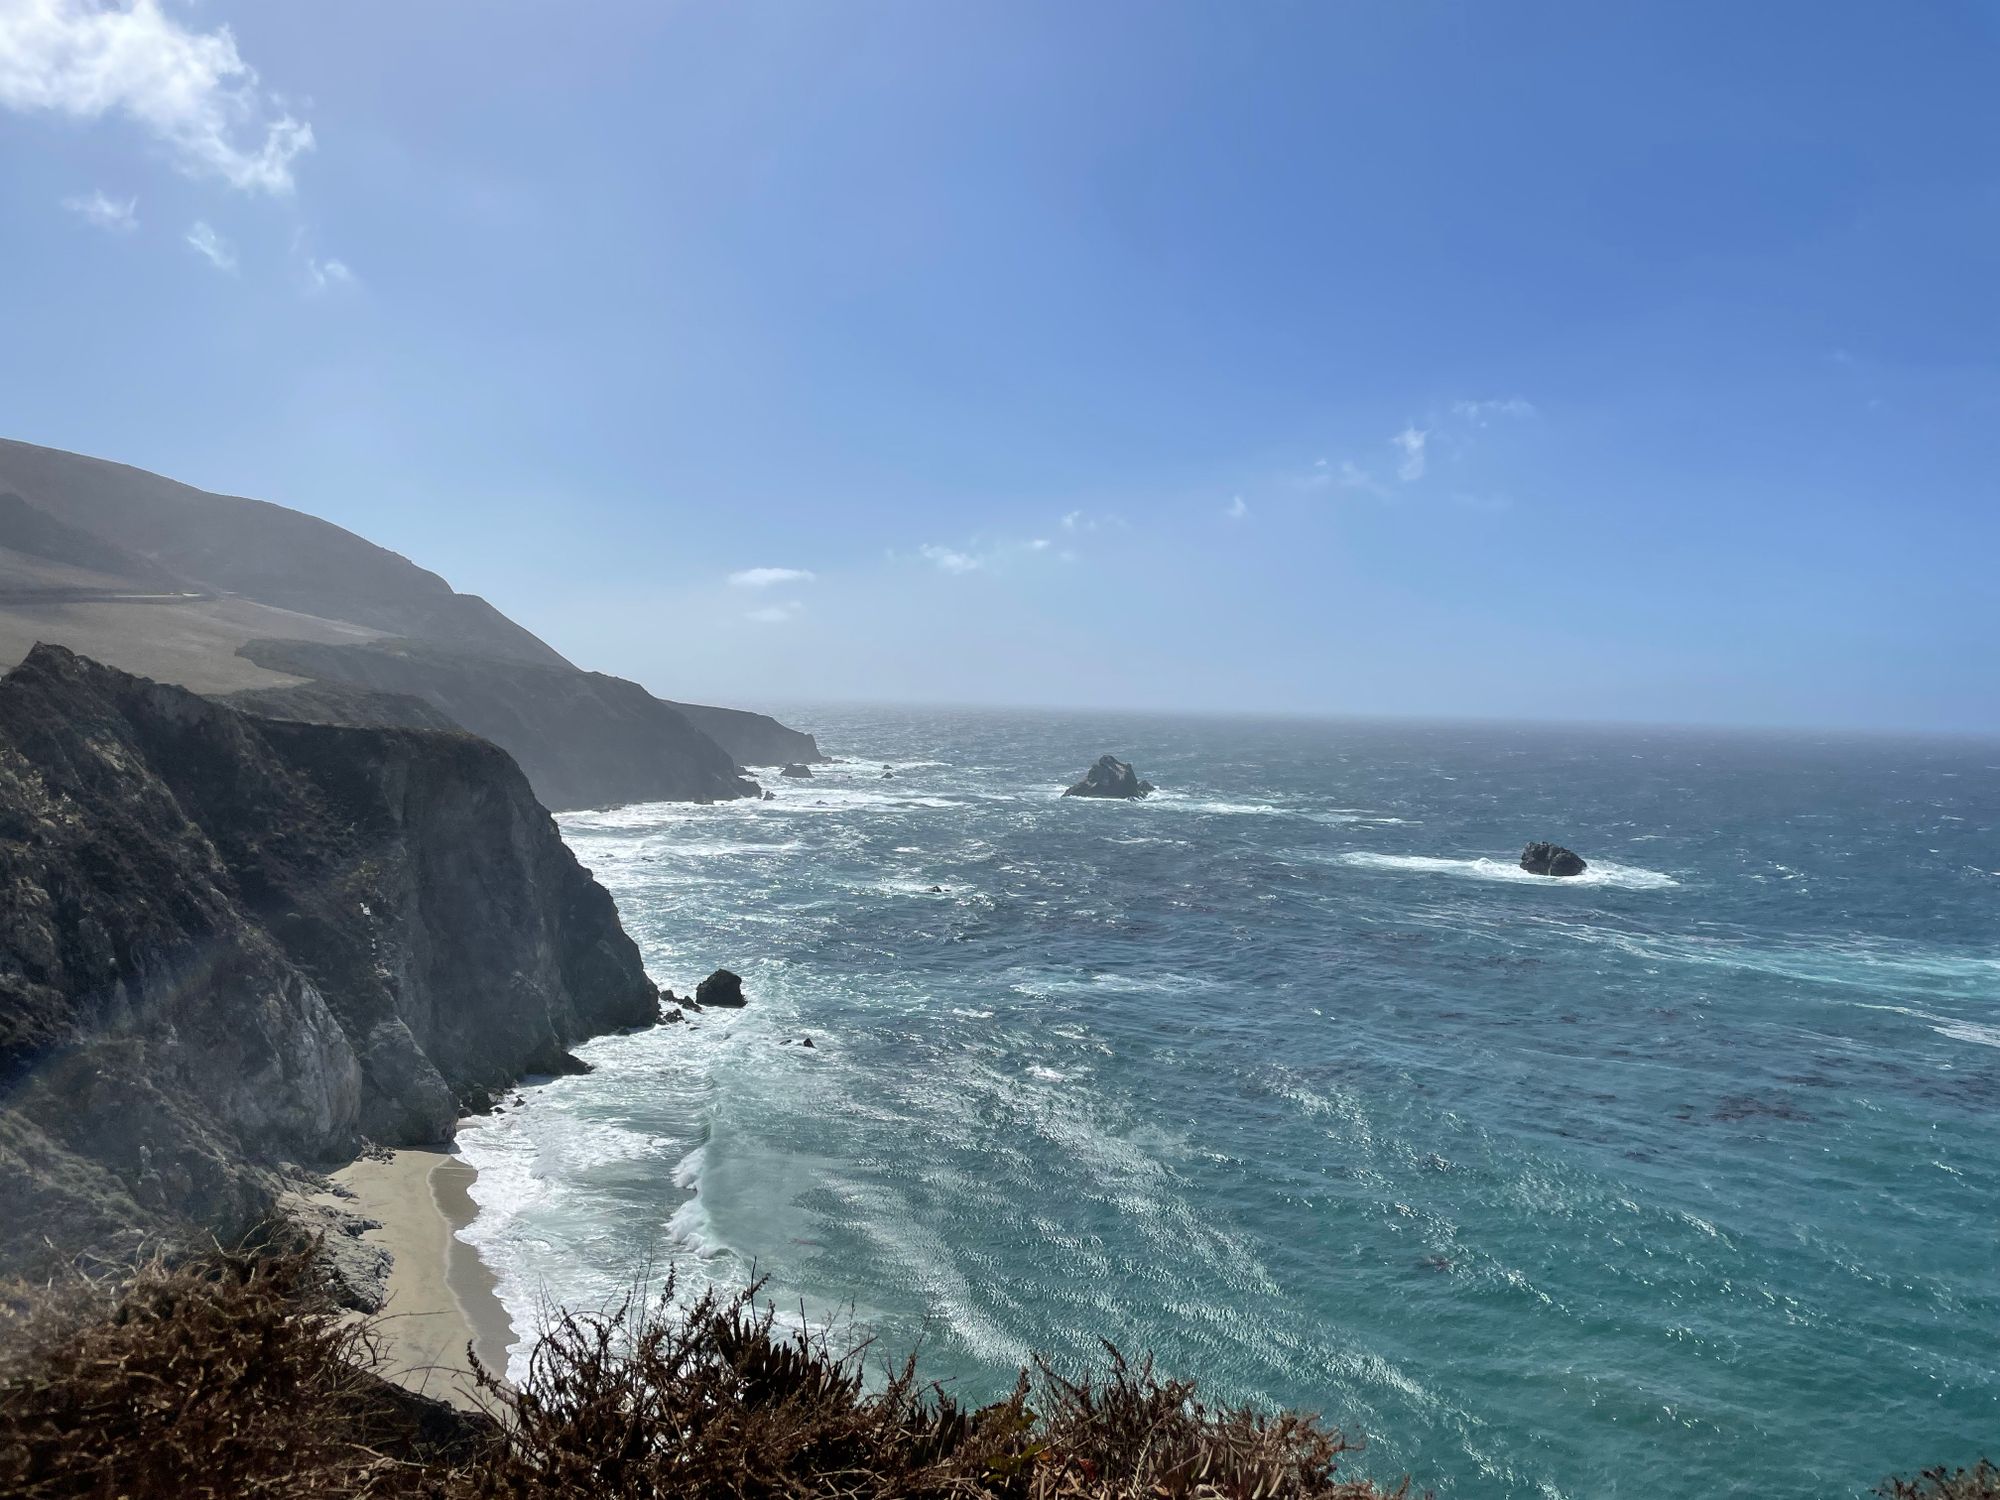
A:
<point x="1675" y="1180"/>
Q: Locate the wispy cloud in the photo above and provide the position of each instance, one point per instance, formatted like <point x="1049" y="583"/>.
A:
<point x="212" y="247"/>
<point x="1484" y="413"/>
<point x="1236" y="510"/>
<point x="120" y="217"/>
<point x="781" y="613"/>
<point x="1354" y="477"/>
<point x="1412" y="441"/>
<point x="322" y="275"/>
<point x="190" y="90"/>
<point x="764" y="578"/>
<point x="1085" y="521"/>
<point x="949" y="560"/>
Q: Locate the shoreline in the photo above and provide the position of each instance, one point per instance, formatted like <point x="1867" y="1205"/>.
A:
<point x="441" y="1297"/>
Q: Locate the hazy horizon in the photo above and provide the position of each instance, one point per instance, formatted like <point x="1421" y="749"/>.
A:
<point x="1552" y="366"/>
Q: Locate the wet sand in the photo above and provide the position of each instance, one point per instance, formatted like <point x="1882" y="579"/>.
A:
<point x="441" y="1296"/>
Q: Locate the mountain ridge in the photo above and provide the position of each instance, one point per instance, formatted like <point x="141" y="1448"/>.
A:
<point x="290" y="615"/>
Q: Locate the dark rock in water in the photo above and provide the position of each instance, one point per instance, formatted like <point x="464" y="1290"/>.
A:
<point x="937" y="890"/>
<point x="1551" y="859"/>
<point x="770" y="796"/>
<point x="567" y="1065"/>
<point x="808" y="1043"/>
<point x="1110" y="777"/>
<point x="477" y="1101"/>
<point x="888" y="775"/>
<point x="240" y="942"/>
<point x="797" y="772"/>
<point x="720" y="988"/>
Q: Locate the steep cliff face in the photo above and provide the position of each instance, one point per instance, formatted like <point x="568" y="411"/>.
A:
<point x="229" y="943"/>
<point x="584" y="739"/>
<point x="752" y="739"/>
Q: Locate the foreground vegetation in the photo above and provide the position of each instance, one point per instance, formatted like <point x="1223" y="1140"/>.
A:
<point x="238" y="1376"/>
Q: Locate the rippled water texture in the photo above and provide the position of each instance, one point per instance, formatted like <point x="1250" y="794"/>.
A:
<point x="1679" y="1179"/>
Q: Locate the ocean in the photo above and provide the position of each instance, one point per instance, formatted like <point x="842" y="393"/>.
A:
<point x="1681" y="1178"/>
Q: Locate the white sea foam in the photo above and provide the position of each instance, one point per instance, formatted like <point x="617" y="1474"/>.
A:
<point x="1600" y="872"/>
<point x="1970" y="1031"/>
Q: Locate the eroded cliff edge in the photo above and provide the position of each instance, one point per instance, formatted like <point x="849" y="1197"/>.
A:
<point x="231" y="944"/>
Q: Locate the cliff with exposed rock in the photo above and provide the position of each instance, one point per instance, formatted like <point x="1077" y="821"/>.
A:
<point x="229" y="945"/>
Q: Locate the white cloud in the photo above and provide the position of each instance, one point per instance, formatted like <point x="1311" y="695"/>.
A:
<point x="212" y="246"/>
<point x="104" y="212"/>
<point x="190" y="90"/>
<point x="763" y="578"/>
<point x="1236" y="510"/>
<point x="1083" y="520"/>
<point x="1039" y="544"/>
<point x="949" y="561"/>
<point x="321" y="274"/>
<point x="1354" y="477"/>
<point x="1482" y="413"/>
<point x="1411" y="440"/>
<point x="776" y="614"/>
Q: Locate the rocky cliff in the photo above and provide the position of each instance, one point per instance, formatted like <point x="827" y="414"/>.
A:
<point x="228" y="944"/>
<point x="585" y="739"/>
<point x="753" y="739"/>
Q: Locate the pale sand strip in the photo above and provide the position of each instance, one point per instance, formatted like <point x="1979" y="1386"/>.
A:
<point x="441" y="1295"/>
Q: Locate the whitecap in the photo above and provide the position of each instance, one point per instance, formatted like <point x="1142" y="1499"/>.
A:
<point x="1600" y="872"/>
<point x="1970" y="1031"/>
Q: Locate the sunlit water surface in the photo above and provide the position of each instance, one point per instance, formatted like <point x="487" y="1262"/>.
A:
<point x="1679" y="1179"/>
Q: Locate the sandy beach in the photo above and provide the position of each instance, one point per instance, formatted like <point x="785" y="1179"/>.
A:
<point x="441" y="1296"/>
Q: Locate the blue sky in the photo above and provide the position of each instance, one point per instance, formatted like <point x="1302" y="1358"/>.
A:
<point x="1530" y="360"/>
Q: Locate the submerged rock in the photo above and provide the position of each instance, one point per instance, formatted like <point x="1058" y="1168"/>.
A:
<point x="720" y="988"/>
<point x="797" y="772"/>
<point x="1110" y="777"/>
<point x="1544" y="858"/>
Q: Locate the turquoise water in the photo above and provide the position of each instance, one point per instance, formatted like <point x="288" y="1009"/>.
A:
<point x="1676" y="1180"/>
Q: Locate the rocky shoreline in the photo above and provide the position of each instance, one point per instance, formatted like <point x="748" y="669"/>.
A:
<point x="235" y="949"/>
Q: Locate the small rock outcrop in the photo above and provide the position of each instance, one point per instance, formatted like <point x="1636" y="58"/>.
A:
<point x="797" y="772"/>
<point x="1110" y="777"/>
<point x="720" y="988"/>
<point x="1543" y="858"/>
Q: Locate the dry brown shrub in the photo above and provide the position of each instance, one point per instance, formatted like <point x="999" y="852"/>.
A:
<point x="1980" y="1482"/>
<point x="236" y="1376"/>
<point x="230" y="1376"/>
<point x="647" y="1401"/>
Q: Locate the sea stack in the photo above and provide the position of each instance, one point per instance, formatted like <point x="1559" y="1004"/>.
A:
<point x="1110" y="777"/>
<point x="721" y="988"/>
<point x="1552" y="859"/>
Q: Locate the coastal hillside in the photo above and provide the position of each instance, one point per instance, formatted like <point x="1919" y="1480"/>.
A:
<point x="224" y="595"/>
<point x="258" y="550"/>
<point x="637" y="748"/>
<point x="228" y="944"/>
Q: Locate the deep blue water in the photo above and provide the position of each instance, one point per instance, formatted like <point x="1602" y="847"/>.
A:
<point x="1676" y="1180"/>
